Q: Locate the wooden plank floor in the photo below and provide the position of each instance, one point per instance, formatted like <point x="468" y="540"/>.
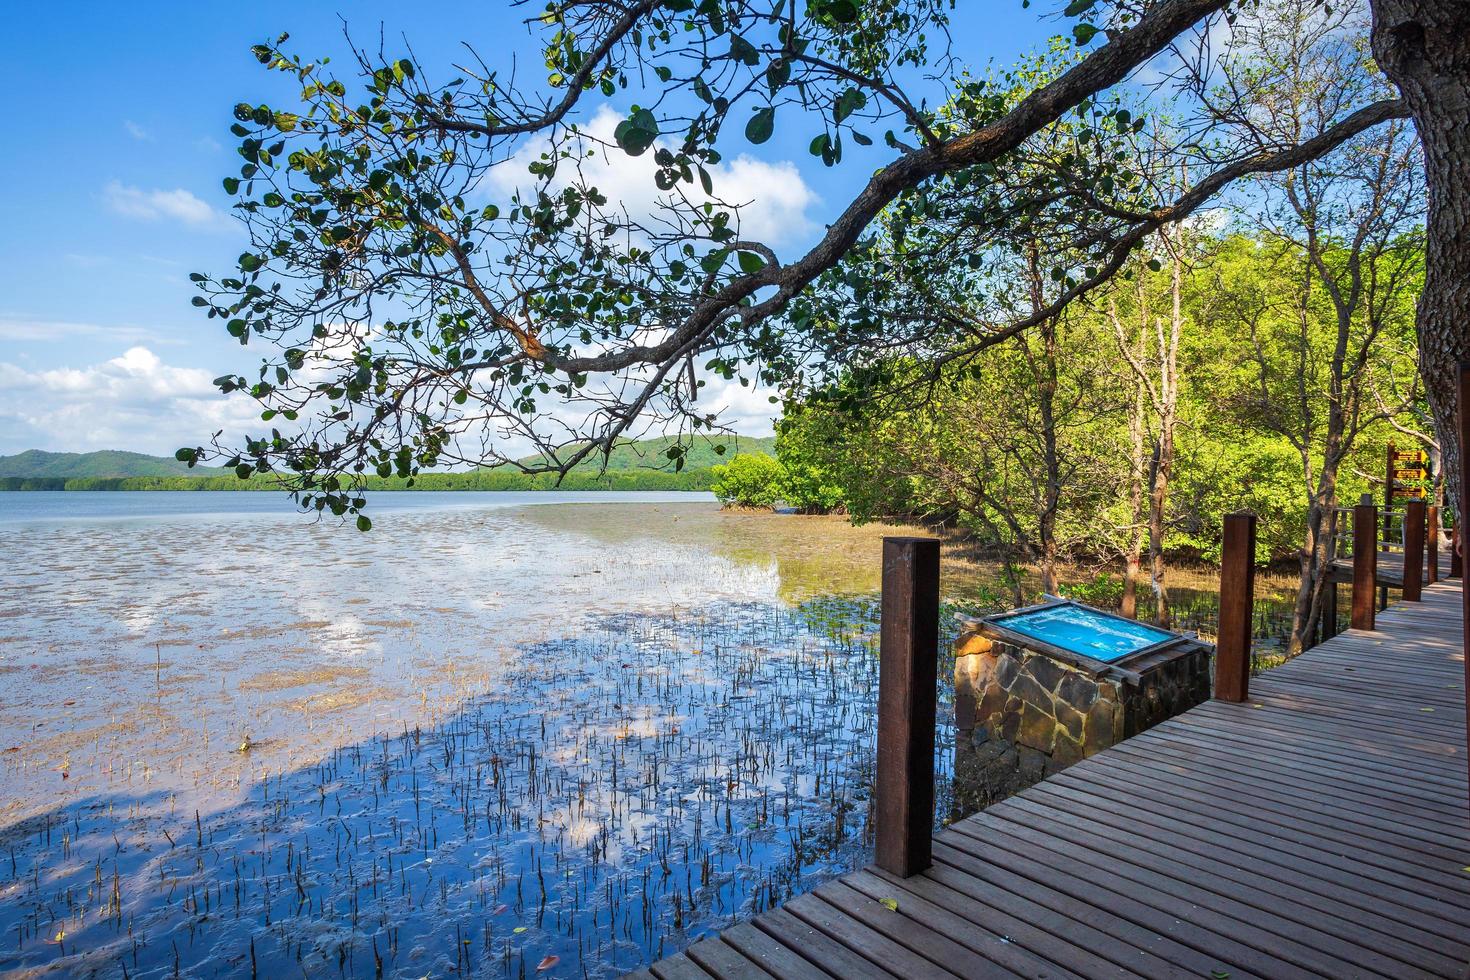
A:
<point x="1319" y="830"/>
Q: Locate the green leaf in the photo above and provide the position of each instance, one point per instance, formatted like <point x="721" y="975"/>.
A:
<point x="838" y="11"/>
<point x="232" y="185"/>
<point x="743" y="51"/>
<point x="249" y="261"/>
<point x="750" y="263"/>
<point x="891" y="904"/>
<point x="1084" y="33"/>
<point x="363" y="524"/>
<point x="759" y="129"/>
<point x="637" y="133"/>
<point x="848" y="102"/>
<point x="711" y="263"/>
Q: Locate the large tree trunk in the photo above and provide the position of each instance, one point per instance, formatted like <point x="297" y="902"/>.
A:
<point x="1138" y="464"/>
<point x="1168" y="422"/>
<point x="1158" y="500"/>
<point x="1424" y="47"/>
<point x="1052" y="457"/>
<point x="1044" y="369"/>
<point x="1316" y="563"/>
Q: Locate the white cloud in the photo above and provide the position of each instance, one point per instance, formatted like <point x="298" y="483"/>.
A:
<point x="136" y="132"/>
<point x="39" y="330"/>
<point x="134" y="401"/>
<point x="747" y="410"/>
<point x="773" y="197"/>
<point x="156" y="205"/>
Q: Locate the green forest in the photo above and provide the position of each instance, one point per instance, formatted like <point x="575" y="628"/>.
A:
<point x="1264" y="368"/>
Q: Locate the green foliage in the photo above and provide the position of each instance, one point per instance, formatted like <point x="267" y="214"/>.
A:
<point x="1255" y="363"/>
<point x="805" y="483"/>
<point x="748" y="481"/>
<point x="1103" y="590"/>
<point x="32" y="483"/>
<point x="552" y="302"/>
<point x="699" y="452"/>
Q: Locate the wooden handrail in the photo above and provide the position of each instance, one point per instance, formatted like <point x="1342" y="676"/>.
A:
<point x="1463" y="425"/>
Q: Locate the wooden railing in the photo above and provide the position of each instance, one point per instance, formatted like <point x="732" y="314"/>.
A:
<point x="909" y="654"/>
<point x="1362" y="532"/>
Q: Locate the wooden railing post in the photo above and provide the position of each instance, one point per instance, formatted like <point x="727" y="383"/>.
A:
<point x="1387" y="519"/>
<point x="908" y="664"/>
<point x="1431" y="544"/>
<point x="1464" y="434"/>
<point x="1237" y="595"/>
<point x="1413" y="550"/>
<point x="1365" y="563"/>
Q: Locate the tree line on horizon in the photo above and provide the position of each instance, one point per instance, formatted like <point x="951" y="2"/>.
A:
<point x="697" y="480"/>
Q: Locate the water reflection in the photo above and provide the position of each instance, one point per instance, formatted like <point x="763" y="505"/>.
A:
<point x="485" y="740"/>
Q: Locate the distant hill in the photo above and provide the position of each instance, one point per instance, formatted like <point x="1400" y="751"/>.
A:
<point x="646" y="454"/>
<point x="642" y="457"/>
<point x="33" y="464"/>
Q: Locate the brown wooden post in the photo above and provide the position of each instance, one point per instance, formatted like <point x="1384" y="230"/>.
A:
<point x="1237" y="594"/>
<point x="908" y="664"/>
<point x="1431" y="544"/>
<point x="1413" y="550"/>
<point x="1457" y="568"/>
<point x="1387" y="519"/>
<point x="1365" y="563"/>
<point x="1464" y="434"/>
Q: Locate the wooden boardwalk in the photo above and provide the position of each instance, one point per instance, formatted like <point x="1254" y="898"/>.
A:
<point x="1390" y="570"/>
<point x="1318" y="830"/>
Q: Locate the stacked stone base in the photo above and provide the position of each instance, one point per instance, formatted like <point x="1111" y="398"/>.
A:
<point x="1021" y="715"/>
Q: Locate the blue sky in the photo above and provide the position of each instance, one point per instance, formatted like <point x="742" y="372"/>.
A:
<point x="111" y="193"/>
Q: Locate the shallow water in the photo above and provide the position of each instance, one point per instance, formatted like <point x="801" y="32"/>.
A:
<point x="486" y="737"/>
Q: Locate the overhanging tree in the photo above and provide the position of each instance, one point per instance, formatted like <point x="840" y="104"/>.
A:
<point x="410" y="322"/>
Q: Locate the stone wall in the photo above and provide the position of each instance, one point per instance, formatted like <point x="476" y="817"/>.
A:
<point x="1021" y="716"/>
